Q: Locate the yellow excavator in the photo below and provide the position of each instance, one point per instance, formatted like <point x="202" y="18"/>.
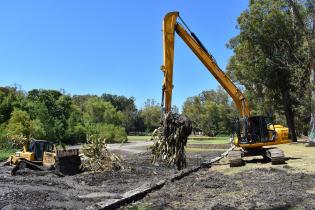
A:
<point x="252" y="133"/>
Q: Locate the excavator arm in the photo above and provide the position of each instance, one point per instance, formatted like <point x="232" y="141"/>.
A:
<point x="170" y="26"/>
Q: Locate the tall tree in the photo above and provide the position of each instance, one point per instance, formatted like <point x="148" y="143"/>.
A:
<point x="304" y="14"/>
<point x="269" y="56"/>
<point x="192" y="108"/>
<point x="10" y="98"/>
<point x="20" y="124"/>
<point x="100" y="111"/>
<point x="211" y="112"/>
<point x="151" y="115"/>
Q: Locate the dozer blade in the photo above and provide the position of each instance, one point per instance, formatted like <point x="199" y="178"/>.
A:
<point x="68" y="162"/>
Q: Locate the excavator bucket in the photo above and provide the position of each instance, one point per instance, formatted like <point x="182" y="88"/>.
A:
<point x="68" y="162"/>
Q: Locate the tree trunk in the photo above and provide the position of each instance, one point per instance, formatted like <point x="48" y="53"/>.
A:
<point x="311" y="40"/>
<point x="289" y="115"/>
<point x="312" y="121"/>
<point x="310" y="35"/>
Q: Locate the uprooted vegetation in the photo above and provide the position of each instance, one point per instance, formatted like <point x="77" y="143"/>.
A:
<point x="98" y="157"/>
<point x="170" y="140"/>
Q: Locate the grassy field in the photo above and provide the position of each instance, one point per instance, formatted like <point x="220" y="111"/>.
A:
<point x="301" y="159"/>
<point x="5" y="154"/>
<point x="302" y="156"/>
<point x="139" y="138"/>
<point x="191" y="139"/>
<point x="209" y="141"/>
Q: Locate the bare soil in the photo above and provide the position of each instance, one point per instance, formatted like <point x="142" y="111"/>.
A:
<point x="39" y="190"/>
<point x="257" y="185"/>
<point x="265" y="188"/>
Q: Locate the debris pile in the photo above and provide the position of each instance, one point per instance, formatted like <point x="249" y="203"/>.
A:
<point x="170" y="140"/>
<point x="98" y="157"/>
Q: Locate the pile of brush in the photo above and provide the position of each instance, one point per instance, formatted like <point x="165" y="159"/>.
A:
<point x="170" y="140"/>
<point x="98" y="157"/>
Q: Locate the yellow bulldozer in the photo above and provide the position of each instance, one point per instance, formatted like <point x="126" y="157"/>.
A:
<point x="43" y="155"/>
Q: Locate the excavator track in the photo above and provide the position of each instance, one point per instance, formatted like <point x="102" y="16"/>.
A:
<point x="276" y="156"/>
<point x="235" y="158"/>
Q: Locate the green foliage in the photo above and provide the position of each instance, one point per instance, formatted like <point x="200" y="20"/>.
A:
<point x="270" y="59"/>
<point x="127" y="107"/>
<point x="5" y="153"/>
<point x="20" y="124"/>
<point x="211" y="112"/>
<point x="9" y="98"/>
<point x="139" y="206"/>
<point x="151" y="115"/>
<point x="104" y="120"/>
<point x="52" y="115"/>
<point x="5" y="144"/>
<point x="76" y="130"/>
<point x="112" y="133"/>
<point x="99" y="111"/>
<point x="52" y="108"/>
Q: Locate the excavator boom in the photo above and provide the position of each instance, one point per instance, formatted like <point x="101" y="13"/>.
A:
<point x="170" y="26"/>
<point x="252" y="132"/>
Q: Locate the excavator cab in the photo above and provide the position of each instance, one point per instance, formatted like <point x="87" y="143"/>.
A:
<point x="253" y="129"/>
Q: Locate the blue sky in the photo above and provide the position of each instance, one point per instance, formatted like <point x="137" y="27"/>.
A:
<point x="112" y="46"/>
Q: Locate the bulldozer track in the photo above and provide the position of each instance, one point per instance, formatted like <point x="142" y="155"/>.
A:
<point x="23" y="163"/>
<point x="140" y="192"/>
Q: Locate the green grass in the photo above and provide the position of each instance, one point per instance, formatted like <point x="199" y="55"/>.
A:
<point x="139" y="138"/>
<point x="191" y="139"/>
<point x="208" y="140"/>
<point x="212" y="141"/>
<point x="6" y="153"/>
<point x="140" y="206"/>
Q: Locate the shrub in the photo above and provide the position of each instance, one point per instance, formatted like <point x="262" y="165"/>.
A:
<point x="112" y="133"/>
<point x="4" y="142"/>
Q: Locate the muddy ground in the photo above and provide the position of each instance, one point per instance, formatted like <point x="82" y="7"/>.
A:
<point x="254" y="189"/>
<point x="48" y="191"/>
<point x="257" y="185"/>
